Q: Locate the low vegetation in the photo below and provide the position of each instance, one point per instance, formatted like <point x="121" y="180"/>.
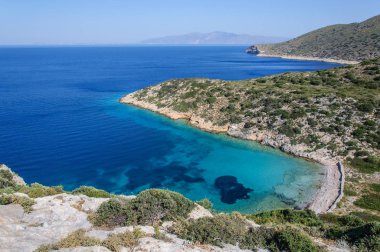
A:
<point x="25" y="202"/>
<point x="113" y="242"/>
<point x="8" y="187"/>
<point x="234" y="229"/>
<point x="150" y="207"/>
<point x="91" y="192"/>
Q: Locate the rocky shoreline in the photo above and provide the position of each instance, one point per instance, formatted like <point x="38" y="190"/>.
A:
<point x="332" y="184"/>
<point x="294" y="57"/>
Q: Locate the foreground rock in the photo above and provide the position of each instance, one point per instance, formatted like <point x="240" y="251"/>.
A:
<point x="55" y="217"/>
<point x="52" y="218"/>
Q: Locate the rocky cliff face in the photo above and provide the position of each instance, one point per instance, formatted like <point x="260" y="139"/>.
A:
<point x="252" y="50"/>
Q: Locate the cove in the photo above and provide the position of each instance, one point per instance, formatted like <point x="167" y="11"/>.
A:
<point x="61" y="123"/>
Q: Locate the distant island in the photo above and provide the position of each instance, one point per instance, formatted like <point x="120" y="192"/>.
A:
<point x="342" y="43"/>
<point x="213" y="38"/>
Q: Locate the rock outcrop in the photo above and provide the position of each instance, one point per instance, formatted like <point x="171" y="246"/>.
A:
<point x="17" y="179"/>
<point x="252" y="50"/>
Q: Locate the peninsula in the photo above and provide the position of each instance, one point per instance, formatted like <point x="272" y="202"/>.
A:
<point x="341" y="43"/>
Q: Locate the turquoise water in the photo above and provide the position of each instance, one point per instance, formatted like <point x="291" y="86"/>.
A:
<point x="61" y="123"/>
<point x="265" y="170"/>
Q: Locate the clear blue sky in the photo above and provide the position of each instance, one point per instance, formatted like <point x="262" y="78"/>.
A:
<point x="129" y="21"/>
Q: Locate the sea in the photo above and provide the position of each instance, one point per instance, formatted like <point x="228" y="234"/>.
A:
<point x="61" y="123"/>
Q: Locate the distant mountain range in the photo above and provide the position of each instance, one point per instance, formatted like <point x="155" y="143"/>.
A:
<point x="222" y="38"/>
<point x="354" y="42"/>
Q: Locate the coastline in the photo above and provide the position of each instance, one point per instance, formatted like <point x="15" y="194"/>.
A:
<point x="343" y="62"/>
<point x="324" y="200"/>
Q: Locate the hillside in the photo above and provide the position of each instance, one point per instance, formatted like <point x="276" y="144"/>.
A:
<point x="213" y="38"/>
<point x="332" y="112"/>
<point x="41" y="218"/>
<point x="351" y="42"/>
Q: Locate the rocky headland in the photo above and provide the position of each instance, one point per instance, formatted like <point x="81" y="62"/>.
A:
<point x="344" y="44"/>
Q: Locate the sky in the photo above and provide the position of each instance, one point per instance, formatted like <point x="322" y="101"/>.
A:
<point x="130" y="21"/>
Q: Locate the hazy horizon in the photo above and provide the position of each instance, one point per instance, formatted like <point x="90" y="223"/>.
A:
<point x="116" y="22"/>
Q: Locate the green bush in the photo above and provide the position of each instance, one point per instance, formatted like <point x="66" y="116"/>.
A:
<point x="369" y="164"/>
<point x="375" y="187"/>
<point x="293" y="240"/>
<point x="365" y="105"/>
<point x="127" y="239"/>
<point x="365" y="237"/>
<point x="222" y="228"/>
<point x="283" y="216"/>
<point x="37" y="190"/>
<point x="111" y="214"/>
<point x="148" y="208"/>
<point x="25" y="202"/>
<point x="6" y="179"/>
<point x="233" y="229"/>
<point x="369" y="201"/>
<point x="206" y="203"/>
<point x="92" y="192"/>
<point x="367" y="217"/>
<point x="75" y="239"/>
<point x="153" y="205"/>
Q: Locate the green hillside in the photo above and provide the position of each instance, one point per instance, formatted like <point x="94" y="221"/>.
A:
<point x="335" y="111"/>
<point x="354" y="42"/>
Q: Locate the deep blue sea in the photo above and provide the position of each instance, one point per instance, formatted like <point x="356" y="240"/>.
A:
<point x="61" y="123"/>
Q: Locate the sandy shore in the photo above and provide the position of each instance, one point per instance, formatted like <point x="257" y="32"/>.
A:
<point x="345" y="62"/>
<point x="323" y="201"/>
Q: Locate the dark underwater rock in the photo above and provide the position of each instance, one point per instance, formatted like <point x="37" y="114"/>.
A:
<point x="231" y="190"/>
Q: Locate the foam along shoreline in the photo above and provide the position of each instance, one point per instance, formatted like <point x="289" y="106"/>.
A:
<point x="344" y="62"/>
<point x="331" y="189"/>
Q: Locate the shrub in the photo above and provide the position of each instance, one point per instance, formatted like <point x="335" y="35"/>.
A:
<point x="293" y="240"/>
<point x="367" y="217"/>
<point x="364" y="237"/>
<point x="148" y="208"/>
<point x="37" y="190"/>
<point x="206" y="203"/>
<point x="92" y="192"/>
<point x="25" y="202"/>
<point x="288" y="131"/>
<point x="127" y="239"/>
<point x="375" y="187"/>
<point x="6" y="179"/>
<point x="215" y="230"/>
<point x="365" y="105"/>
<point x="369" y="201"/>
<point x="283" y="216"/>
<point x="110" y="213"/>
<point x="369" y="164"/>
<point x="153" y="205"/>
<point x="75" y="239"/>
